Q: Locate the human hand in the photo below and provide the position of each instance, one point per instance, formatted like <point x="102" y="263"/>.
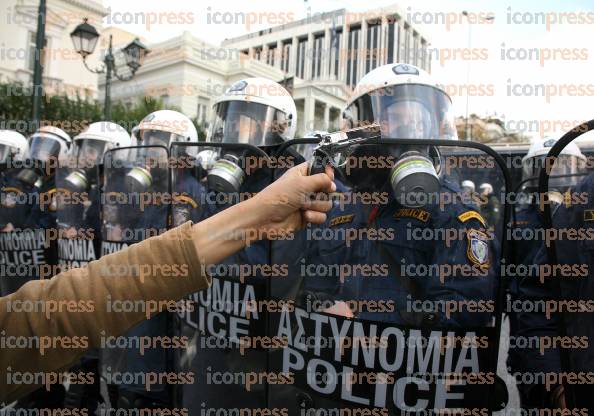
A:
<point x="340" y="308"/>
<point x="294" y="200"/>
<point x="281" y="208"/>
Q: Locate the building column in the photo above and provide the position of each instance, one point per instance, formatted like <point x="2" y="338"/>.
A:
<point x="309" y="114"/>
<point x="293" y="56"/>
<point x="383" y="57"/>
<point x="363" y="52"/>
<point x="264" y="53"/>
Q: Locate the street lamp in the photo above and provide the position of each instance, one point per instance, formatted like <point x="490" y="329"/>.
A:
<point x="85" y="37"/>
<point x="488" y="19"/>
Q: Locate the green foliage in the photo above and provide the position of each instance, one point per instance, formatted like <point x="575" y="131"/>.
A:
<point x="70" y="114"/>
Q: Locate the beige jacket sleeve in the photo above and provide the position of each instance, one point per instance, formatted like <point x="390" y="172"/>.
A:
<point x="74" y="307"/>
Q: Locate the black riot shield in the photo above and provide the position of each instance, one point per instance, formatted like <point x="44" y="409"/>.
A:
<point x="135" y="206"/>
<point x="78" y="212"/>
<point x="393" y="304"/>
<point x="565" y="280"/>
<point x="27" y="230"/>
<point x="222" y="317"/>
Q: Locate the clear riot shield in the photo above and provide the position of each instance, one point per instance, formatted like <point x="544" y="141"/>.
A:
<point x="398" y="299"/>
<point x="135" y="206"/>
<point x="27" y="237"/>
<point x="565" y="280"/>
<point x="222" y="317"/>
<point x="78" y="210"/>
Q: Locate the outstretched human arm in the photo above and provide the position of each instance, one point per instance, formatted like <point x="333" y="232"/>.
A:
<point x="58" y="319"/>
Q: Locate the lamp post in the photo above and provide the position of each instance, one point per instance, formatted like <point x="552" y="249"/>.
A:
<point x="489" y="19"/>
<point x="85" y="37"/>
<point x="38" y="69"/>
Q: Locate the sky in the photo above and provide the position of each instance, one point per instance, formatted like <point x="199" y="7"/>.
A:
<point x="531" y="66"/>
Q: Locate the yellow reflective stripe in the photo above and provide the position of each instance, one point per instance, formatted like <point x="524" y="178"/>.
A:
<point x="468" y="215"/>
<point x="12" y="189"/>
<point x="185" y="199"/>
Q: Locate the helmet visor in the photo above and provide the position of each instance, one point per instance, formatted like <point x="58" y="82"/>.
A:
<point x="44" y="147"/>
<point x="407" y="111"/>
<point x="249" y="123"/>
<point x="90" y="151"/>
<point x="567" y="171"/>
<point x="158" y="138"/>
<point x="7" y="152"/>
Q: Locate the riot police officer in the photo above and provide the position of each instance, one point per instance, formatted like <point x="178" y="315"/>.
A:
<point x="27" y="244"/>
<point x="528" y="251"/>
<point x="79" y="180"/>
<point x="13" y="146"/>
<point x="577" y="288"/>
<point x="29" y="202"/>
<point x="468" y="186"/>
<point x="252" y="119"/>
<point x="408" y="104"/>
<point x="137" y="206"/>
<point x="401" y="272"/>
<point x="491" y="206"/>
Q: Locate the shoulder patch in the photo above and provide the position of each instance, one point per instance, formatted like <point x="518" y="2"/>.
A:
<point x="343" y="219"/>
<point x="478" y="248"/>
<point x="416" y="213"/>
<point x="588" y="215"/>
<point x="469" y="215"/>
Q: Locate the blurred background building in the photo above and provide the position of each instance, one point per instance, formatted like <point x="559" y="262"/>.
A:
<point x="319" y="59"/>
<point x="63" y="72"/>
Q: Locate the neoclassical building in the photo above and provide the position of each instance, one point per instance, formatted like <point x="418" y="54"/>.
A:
<point x="63" y="70"/>
<point x="322" y="57"/>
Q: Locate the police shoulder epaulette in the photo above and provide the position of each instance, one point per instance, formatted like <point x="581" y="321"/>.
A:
<point x="60" y="191"/>
<point x="12" y="189"/>
<point x="51" y="191"/>
<point x="185" y="199"/>
<point x="342" y="219"/>
<point x="419" y="214"/>
<point x="469" y="215"/>
<point x="518" y="223"/>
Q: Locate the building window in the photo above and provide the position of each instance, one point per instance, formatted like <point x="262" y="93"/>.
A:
<point x="407" y="53"/>
<point x="352" y="58"/>
<point x="202" y="113"/>
<point x="258" y="53"/>
<point x="286" y="55"/>
<point x="270" y="57"/>
<point x="415" y="49"/>
<point x="316" y="64"/>
<point x="335" y="52"/>
<point x="31" y="53"/>
<point x="422" y="53"/>
<point x="373" y="46"/>
<point x="301" y="57"/>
